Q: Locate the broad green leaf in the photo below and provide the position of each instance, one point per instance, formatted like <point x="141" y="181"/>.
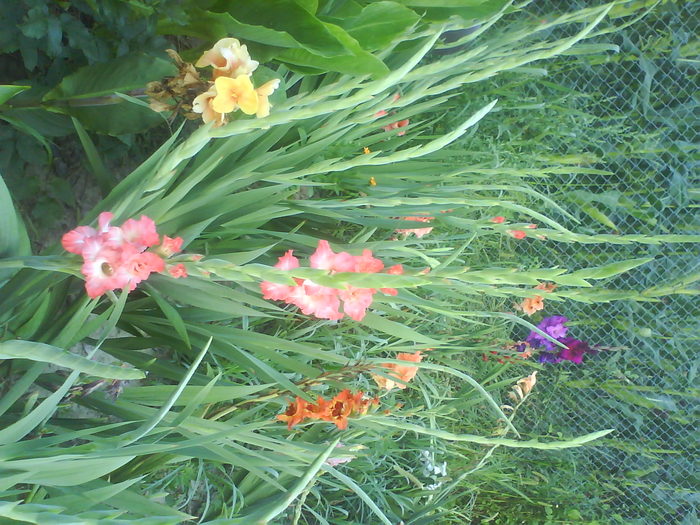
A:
<point x="103" y="80"/>
<point x="288" y="17"/>
<point x="203" y="294"/>
<point x="57" y="356"/>
<point x="310" y="5"/>
<point x="379" y="24"/>
<point x="13" y="236"/>
<point x="378" y="423"/>
<point x="89" y="94"/>
<point x="211" y="26"/>
<point x="360" y="62"/>
<point x="9" y="91"/>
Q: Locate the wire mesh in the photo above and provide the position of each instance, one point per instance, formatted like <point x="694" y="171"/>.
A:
<point x="644" y="385"/>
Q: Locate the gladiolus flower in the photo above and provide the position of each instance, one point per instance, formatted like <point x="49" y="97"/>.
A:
<point x="356" y="301"/>
<point x="170" y="246"/>
<point x="536" y="303"/>
<point x="235" y="93"/>
<point x="115" y="257"/>
<point x="74" y="241"/>
<point x="140" y="233"/>
<point x="264" y="92"/>
<point x="178" y="271"/>
<point x="325" y="302"/>
<point x="531" y="305"/>
<point x="228" y="58"/>
<point x="336" y="410"/>
<point x="276" y="291"/>
<point x="203" y="104"/>
<point x="397" y="269"/>
<point x="418" y="232"/>
<point x="498" y="220"/>
<point x="366" y="263"/>
<point x="552" y="326"/>
<point x="295" y="413"/>
<point x="518" y="234"/>
<point x="399" y="373"/>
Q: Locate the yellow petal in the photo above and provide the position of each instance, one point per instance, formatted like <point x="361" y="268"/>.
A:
<point x="248" y="101"/>
<point x="224" y="101"/>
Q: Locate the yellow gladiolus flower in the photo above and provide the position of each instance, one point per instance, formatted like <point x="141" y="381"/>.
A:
<point x="203" y="104"/>
<point x="228" y="58"/>
<point x="235" y="93"/>
<point x="264" y="92"/>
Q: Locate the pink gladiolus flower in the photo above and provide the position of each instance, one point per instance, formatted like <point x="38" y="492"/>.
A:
<point x="323" y="257"/>
<point x="365" y="263"/>
<point x="356" y="301"/>
<point x="394" y="125"/>
<point x="498" y="220"/>
<point x="313" y="299"/>
<point x="74" y="241"/>
<point x="397" y="269"/>
<point x="418" y="232"/>
<point x="100" y="268"/>
<point x="518" y="234"/>
<point x="140" y="233"/>
<point x="170" y="246"/>
<point x="276" y="291"/>
<point x="178" y="271"/>
<point x="324" y="302"/>
<point x="116" y="257"/>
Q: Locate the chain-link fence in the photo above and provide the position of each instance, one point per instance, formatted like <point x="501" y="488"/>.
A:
<point x="646" y="96"/>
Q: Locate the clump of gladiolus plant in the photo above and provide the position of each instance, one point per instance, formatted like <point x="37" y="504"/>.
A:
<point x="116" y="257"/>
<point x="325" y="302"/>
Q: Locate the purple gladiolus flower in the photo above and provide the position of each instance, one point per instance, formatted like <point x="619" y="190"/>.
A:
<point x="553" y="326"/>
<point x="575" y="350"/>
<point x="549" y="357"/>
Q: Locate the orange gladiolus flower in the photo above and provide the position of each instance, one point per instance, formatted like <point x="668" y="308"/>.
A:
<point x="536" y="303"/>
<point x="399" y="372"/>
<point x="336" y="410"/>
<point x="339" y="408"/>
<point x="532" y="304"/>
<point x="295" y="413"/>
